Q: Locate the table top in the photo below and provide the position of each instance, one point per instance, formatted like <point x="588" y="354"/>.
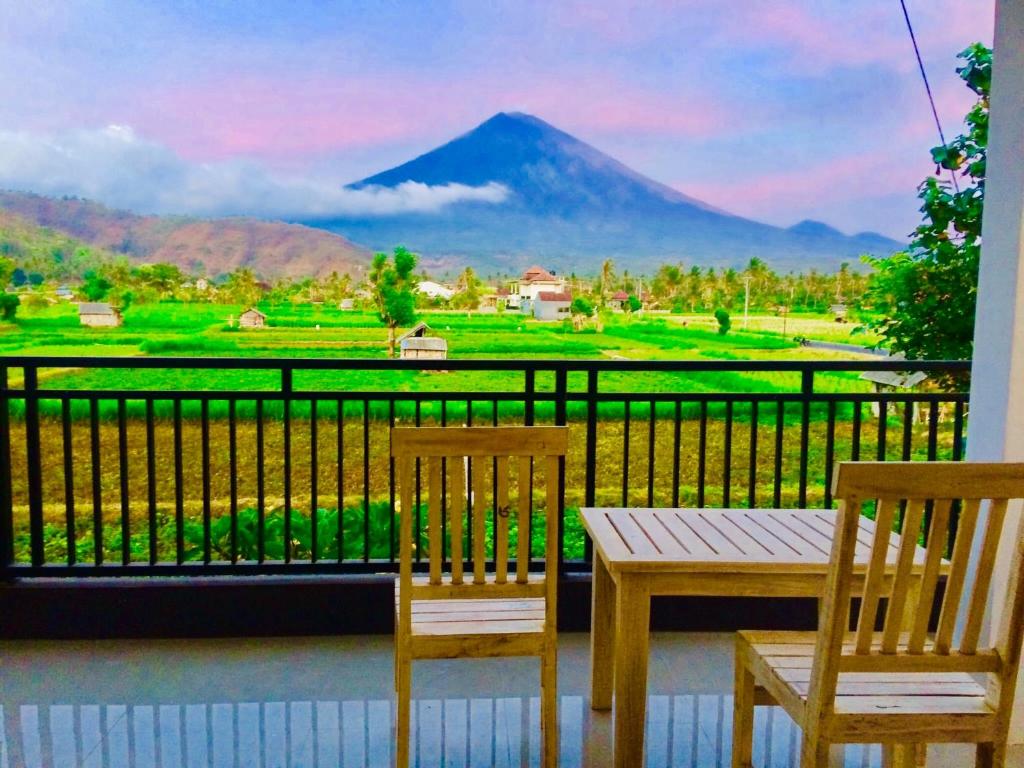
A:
<point x="726" y="540"/>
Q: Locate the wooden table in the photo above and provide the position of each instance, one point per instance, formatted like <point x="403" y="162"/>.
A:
<point x="639" y="553"/>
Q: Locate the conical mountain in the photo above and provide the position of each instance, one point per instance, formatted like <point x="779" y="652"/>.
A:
<point x="570" y="205"/>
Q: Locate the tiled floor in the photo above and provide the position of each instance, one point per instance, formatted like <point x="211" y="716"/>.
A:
<point x="286" y="703"/>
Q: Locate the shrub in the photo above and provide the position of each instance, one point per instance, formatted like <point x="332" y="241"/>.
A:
<point x="724" y="323"/>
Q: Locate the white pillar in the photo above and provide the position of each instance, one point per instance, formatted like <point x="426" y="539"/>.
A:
<point x="996" y="426"/>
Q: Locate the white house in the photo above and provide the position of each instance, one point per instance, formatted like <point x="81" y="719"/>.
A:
<point x="551" y="305"/>
<point x="524" y="291"/>
<point x="98" y="315"/>
<point x="434" y="290"/>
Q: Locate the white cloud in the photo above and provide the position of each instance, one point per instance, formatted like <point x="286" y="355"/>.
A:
<point x="119" y="168"/>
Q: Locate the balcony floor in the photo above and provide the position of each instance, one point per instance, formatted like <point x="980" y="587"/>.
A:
<point x="291" y="702"/>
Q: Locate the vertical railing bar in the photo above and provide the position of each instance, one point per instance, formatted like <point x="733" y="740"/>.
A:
<point x="752" y="468"/>
<point x="933" y="437"/>
<point x="391" y="486"/>
<point x="204" y="427"/>
<point x="529" y="395"/>
<point x="590" y="452"/>
<point x="494" y="487"/>
<point x="122" y="451"/>
<point x="418" y="521"/>
<point x="561" y="390"/>
<point x="650" y="454"/>
<point x="958" y="431"/>
<point x="179" y="490"/>
<point x="627" y="407"/>
<point x="702" y="458"/>
<point x="286" y="394"/>
<point x="151" y="510"/>
<point x="830" y="451"/>
<point x="366" y="480"/>
<point x="69" y="480"/>
<point x="470" y="511"/>
<point x="883" y="424"/>
<point x="855" y="428"/>
<point x="780" y="426"/>
<point x="233" y="479"/>
<point x="727" y="456"/>
<point x="261" y="486"/>
<point x="339" y="418"/>
<point x="676" y="449"/>
<point x="444" y="485"/>
<point x="33" y="455"/>
<point x="97" y="491"/>
<point x="908" y="428"/>
<point x="806" y="392"/>
<point x="314" y="469"/>
<point x="6" y="492"/>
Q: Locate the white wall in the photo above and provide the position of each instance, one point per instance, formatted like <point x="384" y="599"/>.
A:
<point x="996" y="426"/>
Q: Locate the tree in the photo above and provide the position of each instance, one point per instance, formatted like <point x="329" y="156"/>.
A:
<point x="6" y="270"/>
<point x="926" y="295"/>
<point x="607" y="280"/>
<point x="393" y="285"/>
<point x="467" y="290"/>
<point x="8" y="306"/>
<point x="96" y="286"/>
<point x="242" y="287"/>
<point x="724" y="323"/>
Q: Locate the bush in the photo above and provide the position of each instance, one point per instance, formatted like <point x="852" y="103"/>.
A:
<point x="724" y="323"/>
<point x="8" y="306"/>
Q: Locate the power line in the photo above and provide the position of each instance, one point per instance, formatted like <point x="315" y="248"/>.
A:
<point x="927" y="87"/>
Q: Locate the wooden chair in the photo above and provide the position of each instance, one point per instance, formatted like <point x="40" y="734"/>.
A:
<point x="900" y="687"/>
<point x="483" y="612"/>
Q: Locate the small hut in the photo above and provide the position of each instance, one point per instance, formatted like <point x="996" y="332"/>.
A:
<point x="414" y="344"/>
<point x="893" y="381"/>
<point x="551" y="305"/>
<point x="839" y="312"/>
<point x="99" y="315"/>
<point x="252" y="318"/>
<point x="618" y="301"/>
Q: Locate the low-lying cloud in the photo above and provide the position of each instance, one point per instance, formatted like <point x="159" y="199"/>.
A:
<point x="116" y="166"/>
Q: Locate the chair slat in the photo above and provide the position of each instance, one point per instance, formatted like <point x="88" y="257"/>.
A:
<point x="434" y="526"/>
<point x="480" y="485"/>
<point x="894" y="613"/>
<point x="501" y="529"/>
<point x="957" y="574"/>
<point x="523" y="521"/>
<point x="985" y="567"/>
<point x="874" y="581"/>
<point x="930" y="577"/>
<point x="455" y="517"/>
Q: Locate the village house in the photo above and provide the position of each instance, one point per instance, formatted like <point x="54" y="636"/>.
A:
<point x="525" y="290"/>
<point x="433" y="290"/>
<point x="99" y="315"/>
<point x="551" y="305"/>
<point x="252" y="318"/>
<point x="414" y="344"/>
<point x="618" y="301"/>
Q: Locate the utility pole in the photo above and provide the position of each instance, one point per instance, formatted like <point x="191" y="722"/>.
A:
<point x="746" y="300"/>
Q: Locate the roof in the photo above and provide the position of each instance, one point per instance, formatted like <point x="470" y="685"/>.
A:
<point x="620" y="296"/>
<point x="900" y="379"/>
<point x="94" y="308"/>
<point x="253" y="309"/>
<point x="417" y="330"/>
<point x="536" y="274"/>
<point x="503" y="292"/>
<point x="427" y="343"/>
<point x="553" y="296"/>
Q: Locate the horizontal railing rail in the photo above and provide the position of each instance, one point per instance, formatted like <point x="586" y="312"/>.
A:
<point x="169" y="466"/>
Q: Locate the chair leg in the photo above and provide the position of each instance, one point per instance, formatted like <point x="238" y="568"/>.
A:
<point x="814" y="754"/>
<point x="549" y="707"/>
<point x="743" y="716"/>
<point x="904" y="755"/>
<point x="403" y="676"/>
<point x="991" y="755"/>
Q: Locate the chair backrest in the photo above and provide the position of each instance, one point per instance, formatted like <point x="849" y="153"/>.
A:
<point x="471" y="474"/>
<point x="941" y="494"/>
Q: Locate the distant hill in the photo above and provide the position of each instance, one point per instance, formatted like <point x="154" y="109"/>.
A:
<point x="569" y="206"/>
<point x="213" y="246"/>
<point x="45" y="251"/>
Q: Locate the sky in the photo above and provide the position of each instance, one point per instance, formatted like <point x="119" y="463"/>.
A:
<point x="778" y="110"/>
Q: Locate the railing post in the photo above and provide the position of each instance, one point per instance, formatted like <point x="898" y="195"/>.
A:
<point x="529" y="395"/>
<point x="33" y="457"/>
<point x="591" y="454"/>
<point x="806" y="392"/>
<point x="6" y="513"/>
<point x="286" y="394"/>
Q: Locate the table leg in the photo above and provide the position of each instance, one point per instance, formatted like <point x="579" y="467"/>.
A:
<point x="632" y="640"/>
<point x="602" y="636"/>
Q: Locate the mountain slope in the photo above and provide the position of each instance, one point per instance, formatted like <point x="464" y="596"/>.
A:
<point x="213" y="246"/>
<point x="572" y="206"/>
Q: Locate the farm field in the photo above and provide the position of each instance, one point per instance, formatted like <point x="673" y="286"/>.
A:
<point x="639" y="458"/>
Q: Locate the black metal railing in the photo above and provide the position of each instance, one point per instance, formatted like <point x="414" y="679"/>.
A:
<point x="143" y="466"/>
